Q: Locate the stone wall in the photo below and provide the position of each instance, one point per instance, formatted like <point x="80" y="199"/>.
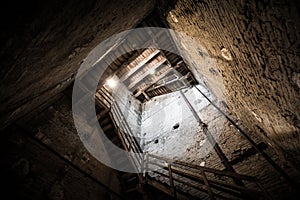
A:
<point x="255" y="45"/>
<point x="45" y="43"/>
<point x="189" y="144"/>
<point x="31" y="171"/>
<point x="170" y="129"/>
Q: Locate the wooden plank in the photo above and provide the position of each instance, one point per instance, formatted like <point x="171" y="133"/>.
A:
<point x="210" y="193"/>
<point x="199" y="180"/>
<point x="102" y="113"/>
<point x="215" y="182"/>
<point x="157" y="79"/>
<point x="138" y="66"/>
<point x="146" y="73"/>
<point x="173" y="192"/>
<point x="215" y="171"/>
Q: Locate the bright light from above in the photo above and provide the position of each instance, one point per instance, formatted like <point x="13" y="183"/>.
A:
<point x="111" y="83"/>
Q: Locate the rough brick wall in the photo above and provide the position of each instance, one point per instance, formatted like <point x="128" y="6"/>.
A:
<point x="43" y="45"/>
<point x="262" y="80"/>
<point x="30" y="171"/>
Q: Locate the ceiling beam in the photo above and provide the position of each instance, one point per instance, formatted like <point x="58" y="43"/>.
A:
<point x="157" y="79"/>
<point x="138" y="66"/>
<point x="146" y="73"/>
<point x="148" y="43"/>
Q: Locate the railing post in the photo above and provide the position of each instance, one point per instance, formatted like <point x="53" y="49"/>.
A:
<point x="210" y="193"/>
<point x="173" y="192"/>
<point x="147" y="165"/>
<point x="142" y="164"/>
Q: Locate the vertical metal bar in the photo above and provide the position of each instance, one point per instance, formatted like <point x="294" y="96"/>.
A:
<point x="147" y="165"/>
<point x="212" y="140"/>
<point x="122" y="124"/>
<point x="254" y="145"/>
<point x="136" y="158"/>
<point x="142" y="164"/>
<point x="210" y="193"/>
<point x="171" y="180"/>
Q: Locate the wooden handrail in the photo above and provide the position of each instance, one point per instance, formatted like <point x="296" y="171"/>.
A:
<point x="126" y="137"/>
<point x="206" y="169"/>
<point x="180" y="170"/>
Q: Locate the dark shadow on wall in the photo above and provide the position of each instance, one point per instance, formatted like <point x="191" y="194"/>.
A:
<point x="289" y="144"/>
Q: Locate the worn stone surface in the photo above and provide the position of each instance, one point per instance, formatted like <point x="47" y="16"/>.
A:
<point x="170" y="129"/>
<point x="188" y="143"/>
<point x="37" y="173"/>
<point x="29" y="171"/>
<point x="44" y="45"/>
<point x="262" y="39"/>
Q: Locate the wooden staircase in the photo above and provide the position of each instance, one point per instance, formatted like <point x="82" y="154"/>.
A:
<point x="183" y="180"/>
<point x="129" y="182"/>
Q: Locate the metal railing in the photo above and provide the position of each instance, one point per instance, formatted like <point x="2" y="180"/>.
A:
<point x="127" y="138"/>
<point x="201" y="179"/>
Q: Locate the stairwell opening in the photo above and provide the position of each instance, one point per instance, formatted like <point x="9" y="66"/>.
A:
<point x="166" y="102"/>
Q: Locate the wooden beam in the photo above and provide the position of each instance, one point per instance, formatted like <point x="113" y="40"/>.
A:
<point x="146" y="73"/>
<point x="138" y="66"/>
<point x="146" y="96"/>
<point x="148" y="44"/>
<point x="209" y="191"/>
<point x="157" y="79"/>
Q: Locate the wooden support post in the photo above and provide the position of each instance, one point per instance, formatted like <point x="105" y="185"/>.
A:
<point x="173" y="192"/>
<point x="210" y="193"/>
<point x="147" y="165"/>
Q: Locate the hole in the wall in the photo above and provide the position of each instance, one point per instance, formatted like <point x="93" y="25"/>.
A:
<point x="176" y="126"/>
<point x="156" y="141"/>
<point x="213" y="71"/>
<point x="201" y="54"/>
<point x="198" y="101"/>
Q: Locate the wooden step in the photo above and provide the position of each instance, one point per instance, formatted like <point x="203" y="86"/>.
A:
<point x="102" y="114"/>
<point x="107" y="127"/>
<point x="105" y="121"/>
